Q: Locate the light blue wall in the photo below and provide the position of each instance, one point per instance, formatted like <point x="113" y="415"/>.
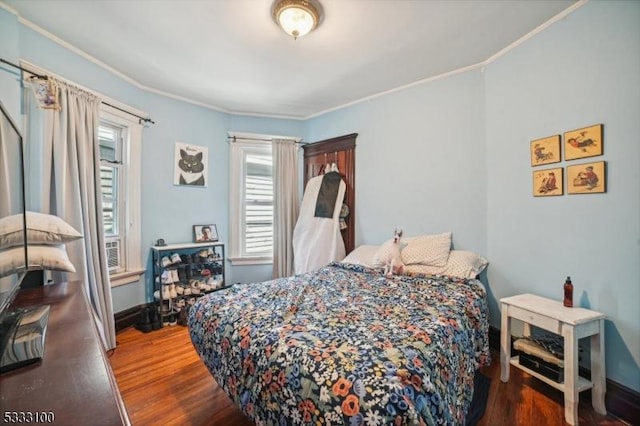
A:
<point x="419" y="160"/>
<point x="583" y="70"/>
<point x="451" y="154"/>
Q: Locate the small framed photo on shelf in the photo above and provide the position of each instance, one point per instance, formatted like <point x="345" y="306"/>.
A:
<point x="587" y="178"/>
<point x="548" y="182"/>
<point x="582" y="143"/>
<point x="545" y="150"/>
<point x="205" y="233"/>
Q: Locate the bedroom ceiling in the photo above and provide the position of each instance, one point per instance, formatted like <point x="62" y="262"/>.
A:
<point x="231" y="56"/>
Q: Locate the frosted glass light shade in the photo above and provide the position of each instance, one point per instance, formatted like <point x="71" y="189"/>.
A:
<point x="296" y="17"/>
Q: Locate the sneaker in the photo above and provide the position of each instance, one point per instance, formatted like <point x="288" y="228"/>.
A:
<point x="195" y="286"/>
<point x="165" y="261"/>
<point x="172" y="291"/>
<point x="187" y="291"/>
<point x="175" y="278"/>
<point x="166" y="292"/>
<point x="204" y="287"/>
<point x="179" y="290"/>
<point x="175" y="258"/>
<point x="166" y="277"/>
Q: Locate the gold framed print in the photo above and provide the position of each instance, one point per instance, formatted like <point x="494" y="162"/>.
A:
<point x="582" y="143"/>
<point x="547" y="182"/>
<point x="545" y="150"/>
<point x="587" y="178"/>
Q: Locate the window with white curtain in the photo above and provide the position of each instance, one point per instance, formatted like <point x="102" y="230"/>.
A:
<point x="120" y="140"/>
<point x="251" y="207"/>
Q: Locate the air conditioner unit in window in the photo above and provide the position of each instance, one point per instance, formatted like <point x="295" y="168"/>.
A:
<point x="113" y="255"/>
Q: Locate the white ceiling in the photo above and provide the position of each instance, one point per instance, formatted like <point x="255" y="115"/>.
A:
<point x="230" y="55"/>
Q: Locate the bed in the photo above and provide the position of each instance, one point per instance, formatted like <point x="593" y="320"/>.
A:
<point x="346" y="345"/>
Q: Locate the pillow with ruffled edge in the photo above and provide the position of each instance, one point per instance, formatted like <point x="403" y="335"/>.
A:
<point x="461" y="264"/>
<point x="42" y="228"/>
<point x="39" y="257"/>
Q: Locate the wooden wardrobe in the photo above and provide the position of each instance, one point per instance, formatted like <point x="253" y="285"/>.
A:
<point x="342" y="151"/>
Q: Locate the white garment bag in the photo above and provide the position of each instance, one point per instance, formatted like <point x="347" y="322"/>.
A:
<point x="317" y="241"/>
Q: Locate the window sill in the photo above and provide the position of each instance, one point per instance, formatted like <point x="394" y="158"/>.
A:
<point x="240" y="261"/>
<point x="126" y="277"/>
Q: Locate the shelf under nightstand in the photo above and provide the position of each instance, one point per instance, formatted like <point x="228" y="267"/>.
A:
<point x="571" y="323"/>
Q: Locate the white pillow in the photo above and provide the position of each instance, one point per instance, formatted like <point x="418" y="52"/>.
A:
<point x="461" y="263"/>
<point x="40" y="257"/>
<point x="430" y="250"/>
<point x="41" y="229"/>
<point x="361" y="255"/>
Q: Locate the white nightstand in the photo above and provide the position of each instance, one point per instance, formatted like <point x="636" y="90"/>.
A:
<point x="572" y="324"/>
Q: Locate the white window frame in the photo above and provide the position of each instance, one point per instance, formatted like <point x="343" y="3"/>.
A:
<point x="130" y="194"/>
<point x="243" y="143"/>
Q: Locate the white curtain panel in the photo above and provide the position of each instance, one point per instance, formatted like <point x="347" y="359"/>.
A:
<point x="285" y="205"/>
<point x="71" y="178"/>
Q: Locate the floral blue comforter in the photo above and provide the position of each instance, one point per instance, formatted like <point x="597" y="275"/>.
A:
<point x="345" y="345"/>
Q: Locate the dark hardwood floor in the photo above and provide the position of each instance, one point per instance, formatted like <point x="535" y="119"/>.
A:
<point x="163" y="381"/>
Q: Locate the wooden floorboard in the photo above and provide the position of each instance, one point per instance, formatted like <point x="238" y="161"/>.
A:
<point x="163" y="381"/>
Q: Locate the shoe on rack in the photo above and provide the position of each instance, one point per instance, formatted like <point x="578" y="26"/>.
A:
<point x="175" y="278"/>
<point x="204" y="287"/>
<point x="195" y="286"/>
<point x="165" y="261"/>
<point x="166" y="292"/>
<point x="179" y="290"/>
<point x="187" y="290"/>
<point x="175" y="258"/>
<point x="205" y="272"/>
<point x="156" y="294"/>
<point x="172" y="291"/>
<point x="166" y="277"/>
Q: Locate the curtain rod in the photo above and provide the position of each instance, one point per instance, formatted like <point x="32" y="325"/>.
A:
<point x="235" y="139"/>
<point x="46" y="77"/>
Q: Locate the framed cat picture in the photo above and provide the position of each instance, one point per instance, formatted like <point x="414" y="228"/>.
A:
<point x="191" y="165"/>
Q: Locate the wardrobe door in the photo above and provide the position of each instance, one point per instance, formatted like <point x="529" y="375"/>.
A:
<point x="342" y="151"/>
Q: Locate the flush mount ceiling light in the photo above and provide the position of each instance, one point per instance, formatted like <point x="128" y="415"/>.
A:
<point x="297" y="17"/>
